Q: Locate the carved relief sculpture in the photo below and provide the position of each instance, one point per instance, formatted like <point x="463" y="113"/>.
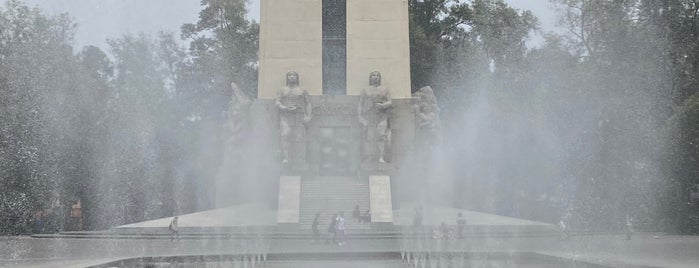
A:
<point x="427" y="119"/>
<point x="295" y="112"/>
<point x="375" y="113"/>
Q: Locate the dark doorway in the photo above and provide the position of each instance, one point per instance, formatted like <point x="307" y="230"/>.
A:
<point x="335" y="150"/>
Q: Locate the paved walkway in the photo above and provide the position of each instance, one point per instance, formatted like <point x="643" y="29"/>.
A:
<point x="642" y="251"/>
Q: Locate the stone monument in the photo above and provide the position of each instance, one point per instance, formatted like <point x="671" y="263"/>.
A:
<point x="374" y="112"/>
<point x="339" y="136"/>
<point x="427" y="122"/>
<point x="294" y="114"/>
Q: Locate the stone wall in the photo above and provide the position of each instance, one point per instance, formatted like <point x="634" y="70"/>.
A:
<point x="291" y="39"/>
<point x="378" y="40"/>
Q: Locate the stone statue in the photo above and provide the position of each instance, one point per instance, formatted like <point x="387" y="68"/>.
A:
<point x="427" y="119"/>
<point x="238" y="111"/>
<point x="294" y="113"/>
<point x="375" y="113"/>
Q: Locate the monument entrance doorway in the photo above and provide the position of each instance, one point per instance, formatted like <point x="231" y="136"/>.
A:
<point x="335" y="151"/>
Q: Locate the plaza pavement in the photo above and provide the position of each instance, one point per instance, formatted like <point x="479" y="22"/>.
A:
<point x="643" y="250"/>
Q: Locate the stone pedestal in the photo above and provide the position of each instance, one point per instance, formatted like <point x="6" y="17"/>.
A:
<point x="380" y="200"/>
<point x="288" y="209"/>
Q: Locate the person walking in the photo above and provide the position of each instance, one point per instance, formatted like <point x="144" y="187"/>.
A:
<point x="460" y="224"/>
<point x="564" y="233"/>
<point x="314" y="227"/>
<point x="629" y="226"/>
<point x="356" y="214"/>
<point x="38" y="221"/>
<point x="76" y="216"/>
<point x="341" y="229"/>
<point x="417" y="219"/>
<point x="332" y="229"/>
<point x="367" y="217"/>
<point x="174" y="229"/>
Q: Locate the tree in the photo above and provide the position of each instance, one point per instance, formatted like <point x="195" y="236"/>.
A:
<point x="36" y="70"/>
<point x="681" y="163"/>
<point x="626" y="89"/>
<point x="678" y="22"/>
<point x="502" y="30"/>
<point x="433" y="26"/>
<point x="223" y="46"/>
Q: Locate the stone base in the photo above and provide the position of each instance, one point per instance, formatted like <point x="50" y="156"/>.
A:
<point x="380" y="199"/>
<point x="288" y="210"/>
<point x="382" y="226"/>
<point x="289" y="169"/>
<point x="377" y="167"/>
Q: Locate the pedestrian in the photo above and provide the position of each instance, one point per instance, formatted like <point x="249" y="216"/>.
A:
<point x="460" y="224"/>
<point x="76" y="216"/>
<point x="314" y="227"/>
<point x="563" y="226"/>
<point x="174" y="229"/>
<point x="356" y="214"/>
<point x="366" y="218"/>
<point x="332" y="229"/>
<point x="341" y="229"/>
<point x="443" y="231"/>
<point x="629" y="226"/>
<point x="38" y="221"/>
<point x="417" y="219"/>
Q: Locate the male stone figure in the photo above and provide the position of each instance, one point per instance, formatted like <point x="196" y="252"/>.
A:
<point x="294" y="112"/>
<point x="427" y="117"/>
<point x="374" y="114"/>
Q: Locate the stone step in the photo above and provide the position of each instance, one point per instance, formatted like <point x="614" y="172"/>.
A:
<point x="333" y="194"/>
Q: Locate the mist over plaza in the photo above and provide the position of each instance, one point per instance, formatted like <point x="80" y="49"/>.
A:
<point x="349" y="133"/>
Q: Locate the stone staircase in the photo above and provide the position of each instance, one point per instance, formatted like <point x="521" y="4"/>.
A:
<point x="333" y="194"/>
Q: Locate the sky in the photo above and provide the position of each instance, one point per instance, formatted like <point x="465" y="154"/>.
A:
<point x="101" y="19"/>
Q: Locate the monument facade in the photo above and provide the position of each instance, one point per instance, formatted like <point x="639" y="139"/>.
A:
<point x="295" y="33"/>
<point x="349" y="63"/>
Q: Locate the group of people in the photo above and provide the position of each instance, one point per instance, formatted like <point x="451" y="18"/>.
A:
<point x="361" y="218"/>
<point x="564" y="229"/>
<point x="444" y="230"/>
<point x="50" y="220"/>
<point x="337" y="226"/>
<point x="336" y="229"/>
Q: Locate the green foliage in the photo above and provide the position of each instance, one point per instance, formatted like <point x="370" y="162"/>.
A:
<point x="30" y="43"/>
<point x="84" y="127"/>
<point x="502" y="30"/>
<point x="678" y="21"/>
<point x="453" y="42"/>
<point x="681" y="163"/>
<point x="223" y="46"/>
<point x="433" y="26"/>
<point x="600" y="92"/>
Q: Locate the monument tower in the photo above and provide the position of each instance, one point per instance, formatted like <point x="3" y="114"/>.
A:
<point x="334" y="45"/>
<point x="338" y="73"/>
